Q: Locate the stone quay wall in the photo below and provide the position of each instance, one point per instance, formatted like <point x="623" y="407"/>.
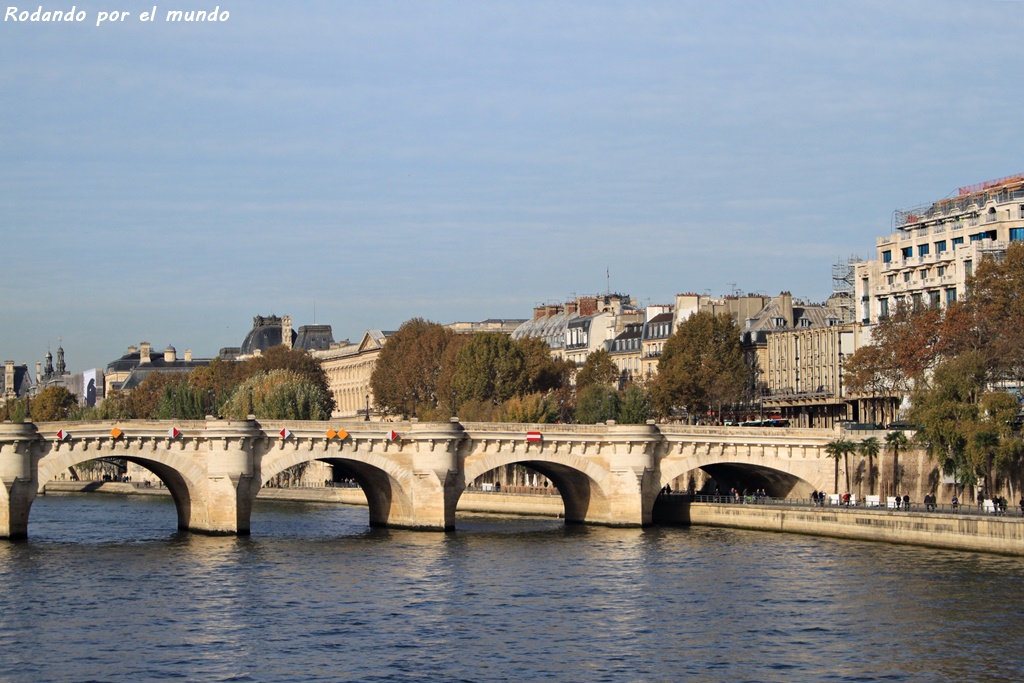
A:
<point x="992" y="534"/>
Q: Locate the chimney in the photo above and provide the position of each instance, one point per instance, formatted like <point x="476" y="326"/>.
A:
<point x="170" y="354"/>
<point x="538" y="312"/>
<point x="571" y="307"/>
<point x="133" y="349"/>
<point x="588" y="305"/>
<point x="144" y="353"/>
<point x="188" y="355"/>
<point x="39" y="372"/>
<point x="286" y="331"/>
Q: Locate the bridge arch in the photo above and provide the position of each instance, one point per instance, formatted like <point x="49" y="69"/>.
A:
<point x="385" y="485"/>
<point x="179" y="473"/>
<point x="580" y="481"/>
<point x="779" y="480"/>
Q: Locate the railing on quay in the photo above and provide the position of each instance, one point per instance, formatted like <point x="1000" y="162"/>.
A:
<point x="986" y="509"/>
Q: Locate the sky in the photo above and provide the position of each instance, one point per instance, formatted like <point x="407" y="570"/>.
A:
<point x="360" y="163"/>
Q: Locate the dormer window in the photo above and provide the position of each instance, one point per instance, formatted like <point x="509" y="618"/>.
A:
<point x="779" y="321"/>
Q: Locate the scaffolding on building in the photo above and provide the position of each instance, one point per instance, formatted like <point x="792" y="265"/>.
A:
<point x="843" y="291"/>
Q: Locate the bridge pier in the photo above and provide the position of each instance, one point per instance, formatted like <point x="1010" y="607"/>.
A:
<point x="18" y="485"/>
<point x="633" y="483"/>
<point x="231" y="483"/>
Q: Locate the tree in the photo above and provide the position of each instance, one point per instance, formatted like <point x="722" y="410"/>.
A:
<point x="869" y="448"/>
<point x="277" y="395"/>
<point x="997" y="300"/>
<point x="533" y="408"/>
<point x="597" y="403"/>
<point x="52" y="404"/>
<point x="836" y="449"/>
<point x="896" y="441"/>
<point x="180" y="400"/>
<point x="635" y="406"/>
<point x="489" y="367"/>
<point x="701" y="366"/>
<point x="599" y="368"/>
<point x="543" y="373"/>
<point x="297" y="361"/>
<point x="409" y="369"/>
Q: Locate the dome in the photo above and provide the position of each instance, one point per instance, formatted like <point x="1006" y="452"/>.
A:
<point x="266" y="333"/>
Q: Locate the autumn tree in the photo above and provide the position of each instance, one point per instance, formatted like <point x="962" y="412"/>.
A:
<point x="635" y="405"/>
<point x="52" y="404"/>
<point x="543" y="373"/>
<point x="409" y="369"/>
<point x="701" y="366"/>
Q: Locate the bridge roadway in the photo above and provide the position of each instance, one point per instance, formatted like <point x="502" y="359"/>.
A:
<point x="607" y="474"/>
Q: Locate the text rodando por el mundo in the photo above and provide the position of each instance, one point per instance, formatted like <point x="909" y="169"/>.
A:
<point x="73" y="15"/>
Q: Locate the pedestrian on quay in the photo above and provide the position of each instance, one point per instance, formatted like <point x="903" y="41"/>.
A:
<point x="906" y="503"/>
<point x="898" y="500"/>
<point x="1022" y="507"/>
<point x="955" y="503"/>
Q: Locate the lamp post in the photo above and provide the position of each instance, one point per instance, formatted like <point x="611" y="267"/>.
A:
<point x="366" y="416"/>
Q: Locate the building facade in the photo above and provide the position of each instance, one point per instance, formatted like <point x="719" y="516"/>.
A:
<point x="936" y="247"/>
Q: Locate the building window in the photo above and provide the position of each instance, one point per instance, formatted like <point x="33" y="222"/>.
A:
<point x="957" y="240"/>
<point x="923" y="250"/>
<point x="917" y="301"/>
<point x="941" y="270"/>
<point x="950" y="295"/>
<point x="906" y="276"/>
<point x="1016" y="234"/>
<point x="933" y="299"/>
<point x="887" y="255"/>
<point x="907" y="252"/>
<point x="883" y="308"/>
<point x="940" y="246"/>
<point x="968" y="268"/>
<point x="890" y="279"/>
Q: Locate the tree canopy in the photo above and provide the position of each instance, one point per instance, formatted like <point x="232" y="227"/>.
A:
<point x="701" y="366"/>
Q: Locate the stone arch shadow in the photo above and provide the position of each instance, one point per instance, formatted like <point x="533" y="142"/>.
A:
<point x="385" y="485"/>
<point x="578" y="480"/>
<point x="179" y="474"/>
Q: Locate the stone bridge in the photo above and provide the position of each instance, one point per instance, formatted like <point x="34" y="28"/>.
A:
<point x="413" y="473"/>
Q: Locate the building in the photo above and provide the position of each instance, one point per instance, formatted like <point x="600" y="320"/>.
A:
<point x="936" y="247"/>
<point x="658" y="328"/>
<point x="579" y="327"/>
<point x="803" y="375"/>
<point x="16" y="381"/>
<point x="131" y="369"/>
<point x="626" y="351"/>
<point x="503" y="325"/>
<point x="348" y="368"/>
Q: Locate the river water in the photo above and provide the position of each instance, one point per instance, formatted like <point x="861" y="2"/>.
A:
<point x="104" y="590"/>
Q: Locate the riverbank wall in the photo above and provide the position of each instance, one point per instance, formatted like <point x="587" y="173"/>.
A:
<point x="1004" y="535"/>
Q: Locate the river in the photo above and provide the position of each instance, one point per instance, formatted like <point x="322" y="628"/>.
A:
<point x="105" y="590"/>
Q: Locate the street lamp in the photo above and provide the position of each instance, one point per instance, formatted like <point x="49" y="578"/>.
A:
<point x="366" y="416"/>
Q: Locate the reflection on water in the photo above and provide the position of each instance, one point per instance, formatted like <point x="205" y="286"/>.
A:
<point x="106" y="590"/>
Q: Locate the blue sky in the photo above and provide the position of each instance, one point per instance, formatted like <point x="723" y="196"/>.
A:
<point x="460" y="161"/>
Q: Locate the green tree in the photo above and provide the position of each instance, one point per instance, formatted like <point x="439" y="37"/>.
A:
<point x="635" y="407"/>
<point x="597" y="403"/>
<point x="870" y="448"/>
<point x="180" y="400"/>
<point x="895" y="442"/>
<point x="599" y="368"/>
<point x="408" y="374"/>
<point x="297" y="361"/>
<point x="276" y="395"/>
<point x="489" y="367"/>
<point x="701" y="366"/>
<point x="840" y="448"/>
<point x="52" y="404"/>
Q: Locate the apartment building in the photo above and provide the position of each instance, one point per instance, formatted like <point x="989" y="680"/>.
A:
<point x="937" y="246"/>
